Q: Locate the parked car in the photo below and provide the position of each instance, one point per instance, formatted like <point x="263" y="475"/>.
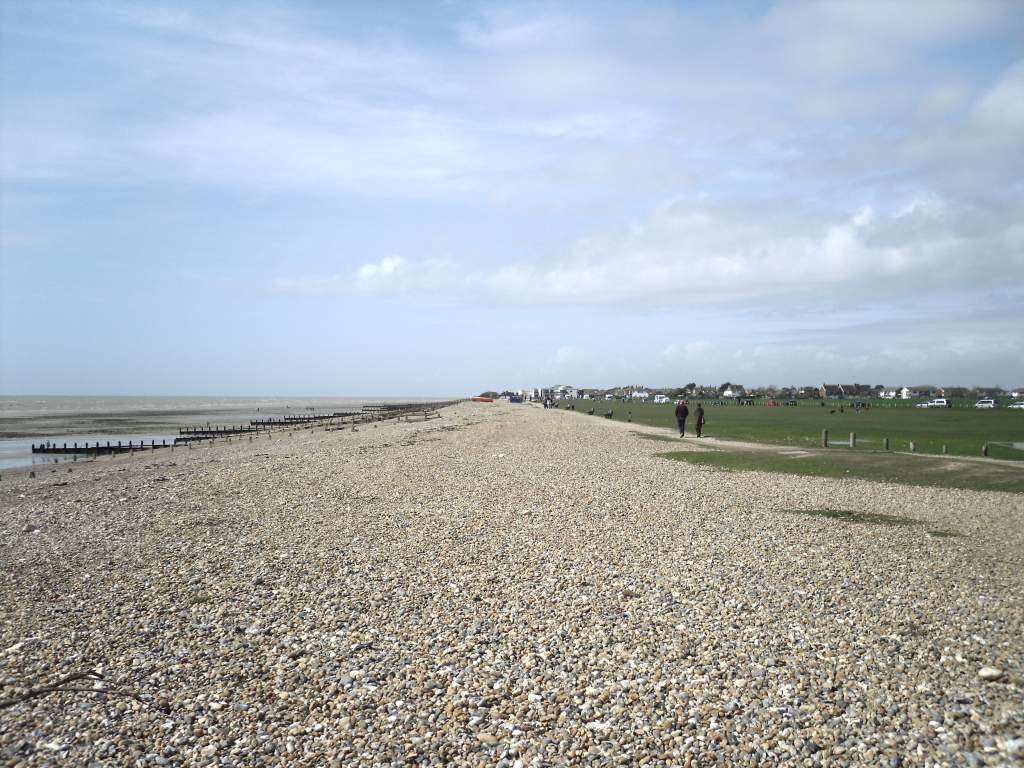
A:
<point x="985" y="403"/>
<point x="1016" y="406"/>
<point x="938" y="402"/>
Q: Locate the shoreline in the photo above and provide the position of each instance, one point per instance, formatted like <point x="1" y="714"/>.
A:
<point x="502" y="583"/>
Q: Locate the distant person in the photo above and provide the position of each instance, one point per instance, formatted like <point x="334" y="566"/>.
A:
<point x="681" y="413"/>
<point x="700" y="419"/>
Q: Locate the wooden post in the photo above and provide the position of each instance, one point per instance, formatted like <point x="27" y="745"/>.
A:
<point x="853" y="440"/>
<point x="911" y="446"/>
<point x="885" y="443"/>
<point x="824" y="438"/>
<point x="984" y="449"/>
<point x="944" y="449"/>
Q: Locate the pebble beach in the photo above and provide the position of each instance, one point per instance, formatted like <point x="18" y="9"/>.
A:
<point x="501" y="586"/>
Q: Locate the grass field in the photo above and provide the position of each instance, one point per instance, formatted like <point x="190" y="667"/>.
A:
<point x="883" y="467"/>
<point x="962" y="430"/>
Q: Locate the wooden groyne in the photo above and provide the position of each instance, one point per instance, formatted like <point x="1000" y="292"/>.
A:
<point x="102" y="449"/>
<point x="369" y="413"/>
<point x="286" y="421"/>
<point x="204" y="432"/>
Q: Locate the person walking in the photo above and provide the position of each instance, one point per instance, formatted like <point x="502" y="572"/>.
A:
<point x="700" y="418"/>
<point x="681" y="413"/>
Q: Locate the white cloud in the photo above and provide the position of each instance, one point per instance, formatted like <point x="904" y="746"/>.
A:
<point x="1002" y="106"/>
<point x="388" y="266"/>
<point x="392" y="274"/>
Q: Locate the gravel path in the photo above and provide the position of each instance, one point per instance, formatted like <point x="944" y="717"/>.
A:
<point x="502" y="586"/>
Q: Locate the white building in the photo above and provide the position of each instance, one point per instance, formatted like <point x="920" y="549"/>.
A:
<point x="661" y="399"/>
<point x="639" y="394"/>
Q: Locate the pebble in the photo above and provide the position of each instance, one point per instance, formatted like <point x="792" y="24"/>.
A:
<point x="503" y="586"/>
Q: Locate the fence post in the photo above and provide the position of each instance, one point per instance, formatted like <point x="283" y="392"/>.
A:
<point x="984" y="449"/>
<point x="824" y="438"/>
<point x="945" y="450"/>
<point x="885" y="443"/>
<point x="853" y="440"/>
<point x="911" y="446"/>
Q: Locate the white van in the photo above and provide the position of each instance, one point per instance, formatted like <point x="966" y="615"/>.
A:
<point x="985" y="403"/>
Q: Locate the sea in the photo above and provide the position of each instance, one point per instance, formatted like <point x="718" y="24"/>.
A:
<point x="27" y="420"/>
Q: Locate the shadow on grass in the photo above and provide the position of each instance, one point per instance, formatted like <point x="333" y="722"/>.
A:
<point x="872" y="518"/>
<point x="864" y="465"/>
<point x="849" y="516"/>
<point x="945" y="534"/>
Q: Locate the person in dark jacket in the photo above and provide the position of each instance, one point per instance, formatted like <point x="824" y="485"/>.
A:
<point x="700" y="419"/>
<point x="681" y="413"/>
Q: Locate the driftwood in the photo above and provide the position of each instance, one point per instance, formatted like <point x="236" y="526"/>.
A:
<point x="64" y="686"/>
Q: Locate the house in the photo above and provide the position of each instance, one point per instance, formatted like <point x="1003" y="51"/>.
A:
<point x="906" y="393"/>
<point x="640" y="394"/>
<point x="831" y="391"/>
<point x="661" y="399"/>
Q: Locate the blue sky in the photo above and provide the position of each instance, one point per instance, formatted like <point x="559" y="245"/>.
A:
<point x="412" y="198"/>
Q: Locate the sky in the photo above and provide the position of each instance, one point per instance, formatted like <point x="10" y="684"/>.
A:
<point x="345" y="198"/>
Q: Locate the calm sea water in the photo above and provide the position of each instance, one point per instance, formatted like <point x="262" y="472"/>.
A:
<point x="25" y="421"/>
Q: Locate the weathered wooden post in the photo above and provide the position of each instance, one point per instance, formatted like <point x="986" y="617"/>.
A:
<point x="912" y="447"/>
<point x="853" y="440"/>
<point x="984" y="449"/>
<point x="885" y="443"/>
<point x="824" y="438"/>
<point x="945" y="450"/>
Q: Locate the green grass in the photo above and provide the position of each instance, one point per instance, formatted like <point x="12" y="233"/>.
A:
<point x="962" y="430"/>
<point x="881" y="467"/>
